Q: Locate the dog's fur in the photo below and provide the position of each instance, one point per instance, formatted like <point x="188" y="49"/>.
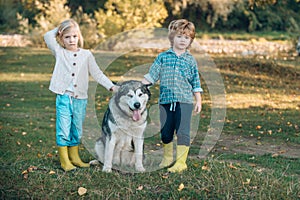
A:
<point x="123" y="126"/>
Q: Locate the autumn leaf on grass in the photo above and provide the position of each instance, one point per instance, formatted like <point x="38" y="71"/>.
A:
<point x="82" y="191"/>
<point x="28" y="170"/>
<point x="181" y="186"/>
<point x="49" y="155"/>
<point x="258" y="127"/>
<point x="205" y="167"/>
<point x="140" y="187"/>
<point x="247" y="182"/>
<point x="231" y="166"/>
<point x="165" y="175"/>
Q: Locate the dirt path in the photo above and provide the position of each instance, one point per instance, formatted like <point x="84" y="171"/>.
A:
<point x="254" y="146"/>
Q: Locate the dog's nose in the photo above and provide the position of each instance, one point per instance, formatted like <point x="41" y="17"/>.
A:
<point x="137" y="105"/>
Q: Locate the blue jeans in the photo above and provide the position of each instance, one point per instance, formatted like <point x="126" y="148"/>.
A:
<point x="70" y="114"/>
<point x="176" y="118"/>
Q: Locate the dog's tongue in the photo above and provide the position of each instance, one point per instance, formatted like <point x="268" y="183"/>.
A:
<point x="136" y="115"/>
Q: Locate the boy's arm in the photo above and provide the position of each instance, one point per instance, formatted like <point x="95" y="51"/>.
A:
<point x="146" y="82"/>
<point x="198" y="105"/>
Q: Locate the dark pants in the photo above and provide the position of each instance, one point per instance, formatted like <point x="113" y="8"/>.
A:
<point x="177" y="119"/>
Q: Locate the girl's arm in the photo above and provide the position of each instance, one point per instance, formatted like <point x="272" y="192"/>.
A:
<point x="50" y="39"/>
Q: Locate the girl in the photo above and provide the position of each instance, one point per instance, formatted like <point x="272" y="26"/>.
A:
<point x="70" y="84"/>
<point x="179" y="79"/>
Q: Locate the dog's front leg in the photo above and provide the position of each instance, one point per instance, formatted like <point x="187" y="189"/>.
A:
<point x="108" y="154"/>
<point x="138" y="145"/>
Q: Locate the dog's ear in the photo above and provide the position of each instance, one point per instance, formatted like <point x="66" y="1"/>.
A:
<point x="117" y="83"/>
<point x="146" y="89"/>
<point x="148" y="85"/>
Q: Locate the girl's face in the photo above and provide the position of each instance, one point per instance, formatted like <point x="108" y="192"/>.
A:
<point x="70" y="39"/>
<point x="181" y="42"/>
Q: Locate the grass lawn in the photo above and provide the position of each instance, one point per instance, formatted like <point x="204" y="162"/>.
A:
<point x="257" y="155"/>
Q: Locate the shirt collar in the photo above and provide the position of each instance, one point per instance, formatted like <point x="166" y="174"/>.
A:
<point x="170" y="50"/>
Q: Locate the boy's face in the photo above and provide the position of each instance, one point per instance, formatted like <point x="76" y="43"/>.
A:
<point x="181" y="42"/>
<point x="70" y="39"/>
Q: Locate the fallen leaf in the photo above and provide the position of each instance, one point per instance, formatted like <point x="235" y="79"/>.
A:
<point x="258" y="127"/>
<point x="82" y="191"/>
<point x="165" y="175"/>
<point x="231" y="166"/>
<point x="205" y="167"/>
<point x="240" y="125"/>
<point x="52" y="172"/>
<point x="49" y="155"/>
<point x="275" y="155"/>
<point x="181" y="186"/>
<point x="32" y="168"/>
<point x="196" y="165"/>
<point x="282" y="151"/>
<point x="140" y="187"/>
<point x="247" y="181"/>
<point x="252" y="165"/>
<point x="25" y="176"/>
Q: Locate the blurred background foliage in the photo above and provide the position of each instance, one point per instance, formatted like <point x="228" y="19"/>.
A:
<point x="100" y="19"/>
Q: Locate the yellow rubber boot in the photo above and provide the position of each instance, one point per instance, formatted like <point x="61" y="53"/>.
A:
<point x="74" y="157"/>
<point x="181" y="156"/>
<point x="64" y="159"/>
<point x="168" y="155"/>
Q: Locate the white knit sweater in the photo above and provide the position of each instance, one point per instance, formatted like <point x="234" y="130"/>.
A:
<point x="73" y="68"/>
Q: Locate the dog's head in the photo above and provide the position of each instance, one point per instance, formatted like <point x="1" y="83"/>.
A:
<point x="132" y="98"/>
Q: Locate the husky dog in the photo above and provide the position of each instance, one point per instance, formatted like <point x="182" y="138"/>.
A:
<point x="123" y="126"/>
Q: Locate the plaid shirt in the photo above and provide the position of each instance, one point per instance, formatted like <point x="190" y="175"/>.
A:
<point x="178" y="75"/>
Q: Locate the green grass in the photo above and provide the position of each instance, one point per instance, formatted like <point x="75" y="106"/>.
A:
<point x="262" y="98"/>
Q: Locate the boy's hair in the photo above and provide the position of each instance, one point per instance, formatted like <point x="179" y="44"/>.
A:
<point x="181" y="26"/>
<point x="65" y="26"/>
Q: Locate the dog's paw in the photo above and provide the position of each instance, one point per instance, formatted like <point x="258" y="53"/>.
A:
<point x="106" y="169"/>
<point x="94" y="162"/>
<point x="140" y="168"/>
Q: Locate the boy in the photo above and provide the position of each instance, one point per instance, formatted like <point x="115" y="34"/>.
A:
<point x="179" y="79"/>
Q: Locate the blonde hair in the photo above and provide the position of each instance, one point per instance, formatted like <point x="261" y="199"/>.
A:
<point x="67" y="25"/>
<point x="181" y="26"/>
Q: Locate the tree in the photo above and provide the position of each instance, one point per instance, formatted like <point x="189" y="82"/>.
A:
<point x="123" y="15"/>
<point x="51" y="13"/>
<point x="88" y="27"/>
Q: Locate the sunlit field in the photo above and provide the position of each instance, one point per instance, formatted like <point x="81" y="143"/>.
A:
<point x="256" y="157"/>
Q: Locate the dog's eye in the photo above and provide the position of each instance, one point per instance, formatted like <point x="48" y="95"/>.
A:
<point x="130" y="95"/>
<point x="140" y="94"/>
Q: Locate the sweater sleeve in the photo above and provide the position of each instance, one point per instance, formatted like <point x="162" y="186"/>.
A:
<point x="50" y="40"/>
<point x="97" y="73"/>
